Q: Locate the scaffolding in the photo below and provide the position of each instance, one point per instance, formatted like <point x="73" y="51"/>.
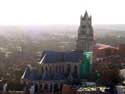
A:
<point x="86" y="65"/>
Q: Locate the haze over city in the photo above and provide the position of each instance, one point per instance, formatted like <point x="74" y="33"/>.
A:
<point x="62" y="47"/>
<point x="37" y="12"/>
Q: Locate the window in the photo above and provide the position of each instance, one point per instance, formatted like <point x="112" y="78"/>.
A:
<point x="50" y="69"/>
<point x="75" y="72"/>
<point x="63" y="68"/>
<point x="46" y="69"/>
<point x="56" y="68"/>
<point x="59" y="68"/>
<point x="68" y="68"/>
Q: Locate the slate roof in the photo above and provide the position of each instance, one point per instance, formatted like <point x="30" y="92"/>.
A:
<point x="57" y="57"/>
<point x="34" y="75"/>
<point x="30" y="74"/>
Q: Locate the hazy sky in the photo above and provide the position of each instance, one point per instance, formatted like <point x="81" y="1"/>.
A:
<point x="16" y="12"/>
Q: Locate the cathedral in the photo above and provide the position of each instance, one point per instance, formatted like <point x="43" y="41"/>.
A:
<point x="57" y="67"/>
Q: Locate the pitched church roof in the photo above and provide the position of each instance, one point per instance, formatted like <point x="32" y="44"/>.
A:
<point x="59" y="57"/>
<point x="30" y="74"/>
<point x="34" y="75"/>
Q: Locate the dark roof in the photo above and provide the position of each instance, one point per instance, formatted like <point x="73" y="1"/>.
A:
<point x="30" y="74"/>
<point x="57" y="57"/>
<point x="34" y="75"/>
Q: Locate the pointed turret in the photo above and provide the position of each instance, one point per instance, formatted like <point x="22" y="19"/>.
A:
<point x="86" y="14"/>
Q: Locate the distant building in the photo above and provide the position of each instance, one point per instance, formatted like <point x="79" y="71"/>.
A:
<point x="103" y="50"/>
<point x="107" y="59"/>
<point x="121" y="49"/>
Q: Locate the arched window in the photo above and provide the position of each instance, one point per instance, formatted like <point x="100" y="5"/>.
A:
<point x="62" y="67"/>
<point x="68" y="68"/>
<point x="50" y="69"/>
<point x="42" y="69"/>
<point x="51" y="87"/>
<point x="75" y="71"/>
<point x="46" y="69"/>
<point x="56" y="68"/>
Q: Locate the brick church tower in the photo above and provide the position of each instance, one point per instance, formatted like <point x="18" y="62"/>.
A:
<point x="84" y="41"/>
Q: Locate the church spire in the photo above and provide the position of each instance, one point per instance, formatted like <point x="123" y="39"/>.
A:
<point x="85" y="34"/>
<point x="86" y="14"/>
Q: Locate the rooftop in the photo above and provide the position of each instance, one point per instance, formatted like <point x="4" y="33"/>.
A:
<point x="59" y="57"/>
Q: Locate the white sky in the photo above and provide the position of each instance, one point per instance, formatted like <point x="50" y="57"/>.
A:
<point x="26" y="12"/>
